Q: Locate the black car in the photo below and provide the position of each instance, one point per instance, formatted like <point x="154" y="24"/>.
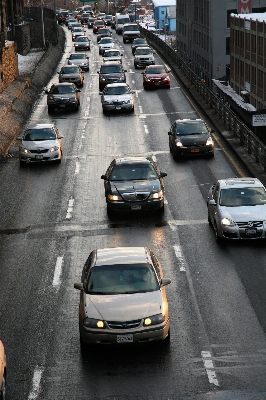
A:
<point x="134" y="183"/>
<point x="111" y="72"/>
<point x="63" y="96"/>
<point x="138" y="42"/>
<point x="103" y="32"/>
<point x="190" y="137"/>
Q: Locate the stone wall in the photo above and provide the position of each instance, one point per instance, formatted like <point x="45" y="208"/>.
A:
<point x="9" y="66"/>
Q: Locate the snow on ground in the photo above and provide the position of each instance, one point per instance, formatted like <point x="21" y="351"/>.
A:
<point x="26" y="64"/>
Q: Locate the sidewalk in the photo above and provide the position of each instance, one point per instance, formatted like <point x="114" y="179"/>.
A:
<point x="17" y="99"/>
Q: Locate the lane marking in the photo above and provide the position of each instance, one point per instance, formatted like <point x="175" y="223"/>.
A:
<point x="77" y="169"/>
<point x="57" y="271"/>
<point x="180" y="257"/>
<point x="70" y="208"/>
<point x="209" y="367"/>
<point x="36" y="380"/>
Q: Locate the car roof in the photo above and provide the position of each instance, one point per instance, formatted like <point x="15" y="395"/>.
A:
<point x="122" y="255"/>
<point x="240" y="182"/>
<point x="133" y="160"/>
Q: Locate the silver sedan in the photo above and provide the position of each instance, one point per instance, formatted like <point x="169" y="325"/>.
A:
<point x="237" y="209"/>
<point x="117" y="97"/>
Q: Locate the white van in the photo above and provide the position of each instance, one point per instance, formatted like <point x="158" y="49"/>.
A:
<point x="120" y="20"/>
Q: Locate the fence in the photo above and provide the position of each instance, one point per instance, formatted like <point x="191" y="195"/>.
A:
<point x="246" y="137"/>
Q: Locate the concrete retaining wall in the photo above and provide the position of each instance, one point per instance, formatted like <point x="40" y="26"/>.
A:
<point x="17" y="100"/>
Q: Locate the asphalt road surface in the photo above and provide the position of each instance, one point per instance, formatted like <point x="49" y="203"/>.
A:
<point x="52" y="216"/>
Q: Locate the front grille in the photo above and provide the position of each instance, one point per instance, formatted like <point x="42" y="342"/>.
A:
<point x="124" y="325"/>
<point x="136" y="196"/>
<point x="250" y="224"/>
<point x="39" y="151"/>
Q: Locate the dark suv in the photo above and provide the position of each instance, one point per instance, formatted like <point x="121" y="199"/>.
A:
<point x="111" y="72"/>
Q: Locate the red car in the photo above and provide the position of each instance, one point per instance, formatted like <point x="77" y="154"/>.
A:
<point x="97" y="25"/>
<point x="156" y="76"/>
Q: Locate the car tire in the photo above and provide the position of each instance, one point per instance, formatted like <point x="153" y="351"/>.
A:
<point x="218" y="239"/>
<point x="3" y="388"/>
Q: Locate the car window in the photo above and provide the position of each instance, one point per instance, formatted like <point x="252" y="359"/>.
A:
<point x="191" y="129"/>
<point x="111" y="69"/>
<point x="133" y="172"/>
<point x="70" y="70"/>
<point x="155" y="70"/>
<point x="242" y="197"/>
<point x="39" y="134"/>
<point x="62" y="89"/>
<point x="117" y="279"/>
<point x="119" y="90"/>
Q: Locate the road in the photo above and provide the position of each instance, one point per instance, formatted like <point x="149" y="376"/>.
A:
<point x="52" y="216"/>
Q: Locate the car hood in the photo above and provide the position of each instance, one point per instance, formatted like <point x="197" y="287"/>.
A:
<point x="117" y="98"/>
<point x="123" y="307"/>
<point x="39" y="144"/>
<point x="148" y="186"/>
<point x="244" y="213"/>
<point x="193" y="139"/>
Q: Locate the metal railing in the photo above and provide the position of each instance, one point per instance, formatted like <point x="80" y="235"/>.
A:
<point x="245" y="136"/>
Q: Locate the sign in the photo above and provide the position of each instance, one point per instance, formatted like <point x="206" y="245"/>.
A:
<point x="244" y="7"/>
<point x="259" y="120"/>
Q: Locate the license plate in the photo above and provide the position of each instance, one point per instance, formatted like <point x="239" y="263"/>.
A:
<point x="39" y="157"/>
<point x="118" y="108"/>
<point x="194" y="150"/>
<point x="251" y="231"/>
<point x="125" y="338"/>
<point x="135" y="207"/>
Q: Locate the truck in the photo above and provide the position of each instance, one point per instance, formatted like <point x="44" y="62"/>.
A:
<point x="120" y="20"/>
<point x="130" y="32"/>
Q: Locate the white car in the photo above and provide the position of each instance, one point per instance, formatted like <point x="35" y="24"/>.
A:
<point x="105" y="43"/>
<point x="143" y="56"/>
<point x="42" y="142"/>
<point x="117" y="96"/>
<point x="237" y="209"/>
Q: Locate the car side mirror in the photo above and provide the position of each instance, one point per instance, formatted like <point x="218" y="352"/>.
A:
<point x="163" y="174"/>
<point x="165" y="281"/>
<point x="79" y="286"/>
<point x="104" y="177"/>
<point x="212" y="202"/>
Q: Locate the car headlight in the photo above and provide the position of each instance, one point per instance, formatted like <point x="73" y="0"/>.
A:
<point x="178" y="143"/>
<point x="23" y="150"/>
<point x="114" y="197"/>
<point x="227" y="222"/>
<point x="157" y="195"/>
<point x="154" y="320"/>
<point x="93" y="323"/>
<point x="209" y="141"/>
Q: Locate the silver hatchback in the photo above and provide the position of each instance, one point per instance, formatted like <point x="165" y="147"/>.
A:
<point x="237" y="209"/>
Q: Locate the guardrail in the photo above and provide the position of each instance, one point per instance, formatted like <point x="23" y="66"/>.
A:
<point x="246" y="137"/>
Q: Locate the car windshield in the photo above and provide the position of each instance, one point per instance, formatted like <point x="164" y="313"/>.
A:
<point x="77" y="56"/>
<point x="122" y="279"/>
<point x="62" y="89"/>
<point x="133" y="172"/>
<point x="112" y="54"/>
<point x="110" y="69"/>
<point x="237" y="197"/>
<point x="119" y="90"/>
<point x="70" y="70"/>
<point x="194" y="128"/>
<point x="141" y="51"/>
<point x="155" y="70"/>
<point x="82" y="39"/>
<point x="39" y="134"/>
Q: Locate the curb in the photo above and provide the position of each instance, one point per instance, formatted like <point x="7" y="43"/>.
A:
<point x="18" y="98"/>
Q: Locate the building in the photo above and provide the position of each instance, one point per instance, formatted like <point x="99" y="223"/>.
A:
<point x="165" y="14"/>
<point x="203" y="34"/>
